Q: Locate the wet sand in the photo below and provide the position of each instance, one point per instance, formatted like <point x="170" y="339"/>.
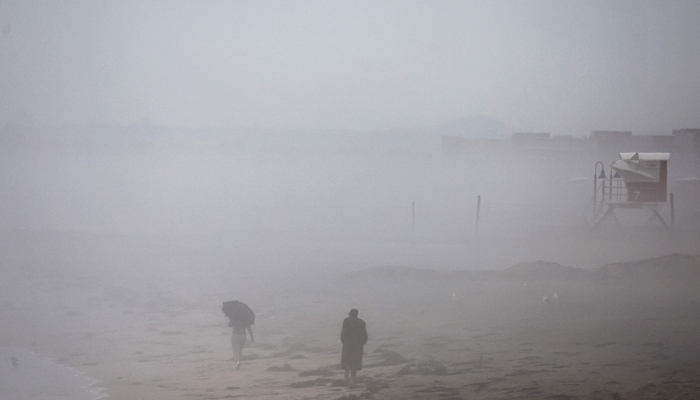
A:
<point x="515" y="335"/>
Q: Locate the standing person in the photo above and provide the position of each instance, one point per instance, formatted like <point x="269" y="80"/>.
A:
<point x="353" y="336"/>
<point x="241" y="319"/>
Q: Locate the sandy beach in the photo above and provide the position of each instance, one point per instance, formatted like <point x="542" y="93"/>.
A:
<point x="534" y="330"/>
<point x="507" y="191"/>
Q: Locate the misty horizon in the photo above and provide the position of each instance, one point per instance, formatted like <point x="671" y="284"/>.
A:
<point x="540" y="66"/>
<point x="507" y="191"/>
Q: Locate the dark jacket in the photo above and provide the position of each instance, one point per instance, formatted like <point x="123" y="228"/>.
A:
<point x="353" y="336"/>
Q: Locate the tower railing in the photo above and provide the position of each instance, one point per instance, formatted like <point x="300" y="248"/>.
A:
<point x="610" y="193"/>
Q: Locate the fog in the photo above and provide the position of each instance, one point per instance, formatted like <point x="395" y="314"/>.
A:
<point x="561" y="67"/>
<point x="355" y="189"/>
<point x="158" y="158"/>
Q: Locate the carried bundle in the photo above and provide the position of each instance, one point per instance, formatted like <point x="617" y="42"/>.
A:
<point x="238" y="312"/>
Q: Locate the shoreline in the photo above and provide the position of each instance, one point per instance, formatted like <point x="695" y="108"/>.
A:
<point x="25" y="374"/>
<point x="159" y="332"/>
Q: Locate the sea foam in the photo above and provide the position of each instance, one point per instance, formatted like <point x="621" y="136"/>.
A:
<point x="28" y="375"/>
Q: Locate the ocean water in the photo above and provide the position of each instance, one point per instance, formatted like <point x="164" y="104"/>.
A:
<point x="28" y="375"/>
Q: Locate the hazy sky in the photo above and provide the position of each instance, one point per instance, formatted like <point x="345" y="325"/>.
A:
<point x="566" y="67"/>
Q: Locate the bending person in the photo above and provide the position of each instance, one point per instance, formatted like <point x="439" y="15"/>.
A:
<point x="241" y="318"/>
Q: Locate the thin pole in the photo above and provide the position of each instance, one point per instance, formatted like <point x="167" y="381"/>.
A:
<point x="478" y="209"/>
<point x="611" y="184"/>
<point x="673" y="214"/>
<point x="595" y="188"/>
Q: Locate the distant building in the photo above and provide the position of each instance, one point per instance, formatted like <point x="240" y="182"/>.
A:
<point x="652" y="143"/>
<point x="686" y="141"/>
<point x="612" y="137"/>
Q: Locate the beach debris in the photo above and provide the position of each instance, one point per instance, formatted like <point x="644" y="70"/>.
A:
<point x="454" y="296"/>
<point x="555" y="296"/>
<point x="14" y="361"/>
<point x="284" y="368"/>
<point x="424" y="369"/>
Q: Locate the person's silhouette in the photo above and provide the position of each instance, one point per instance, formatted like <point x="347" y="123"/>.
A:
<point x="353" y="336"/>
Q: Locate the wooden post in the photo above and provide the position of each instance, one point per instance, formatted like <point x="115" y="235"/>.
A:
<point x="595" y="192"/>
<point x="478" y="209"/>
<point x="673" y="214"/>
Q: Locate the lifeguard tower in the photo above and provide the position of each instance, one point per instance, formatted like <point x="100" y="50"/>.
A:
<point x="637" y="181"/>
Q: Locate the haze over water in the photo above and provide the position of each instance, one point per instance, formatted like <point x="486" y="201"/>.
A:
<point x="158" y="158"/>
